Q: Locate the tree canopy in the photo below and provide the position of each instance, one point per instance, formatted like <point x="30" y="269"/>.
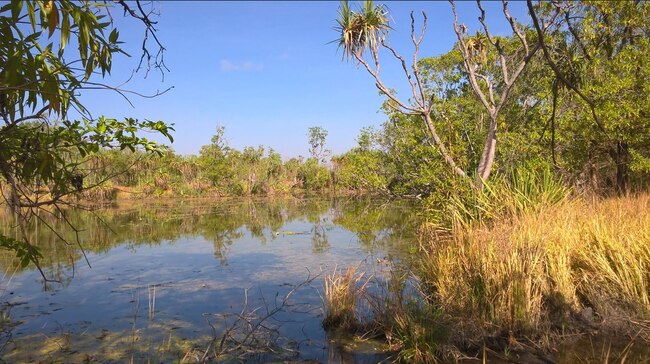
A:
<point x="50" y="51"/>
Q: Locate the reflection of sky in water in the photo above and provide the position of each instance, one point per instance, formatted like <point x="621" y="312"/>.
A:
<point x="191" y="281"/>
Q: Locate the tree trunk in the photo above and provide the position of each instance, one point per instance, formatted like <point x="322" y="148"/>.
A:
<point x="441" y="147"/>
<point x="489" y="152"/>
<point x="622" y="159"/>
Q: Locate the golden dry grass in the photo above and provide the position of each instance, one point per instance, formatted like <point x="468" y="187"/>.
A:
<point x="518" y="271"/>
<point x="343" y="290"/>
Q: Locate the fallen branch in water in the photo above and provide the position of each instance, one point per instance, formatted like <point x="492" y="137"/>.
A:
<point x="250" y="330"/>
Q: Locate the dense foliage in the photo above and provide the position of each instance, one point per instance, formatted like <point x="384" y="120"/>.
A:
<point x="579" y="105"/>
<point x="49" y="52"/>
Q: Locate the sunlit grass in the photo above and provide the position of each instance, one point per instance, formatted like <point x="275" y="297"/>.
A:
<point x="343" y="291"/>
<point x="523" y="270"/>
<point x="374" y="308"/>
<point x="523" y="260"/>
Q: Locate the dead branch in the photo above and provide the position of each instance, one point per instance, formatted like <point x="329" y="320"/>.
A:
<point x="248" y="332"/>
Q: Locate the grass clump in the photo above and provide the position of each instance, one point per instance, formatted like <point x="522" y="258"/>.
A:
<point x="373" y="308"/>
<point x="521" y="264"/>
<point x="343" y="291"/>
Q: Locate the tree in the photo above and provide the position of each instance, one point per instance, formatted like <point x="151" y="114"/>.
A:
<point x="598" y="52"/>
<point x="491" y="86"/>
<point x="491" y="72"/>
<point x="365" y="30"/>
<point x="317" y="137"/>
<point x="42" y="153"/>
<point x="363" y="168"/>
<point x="212" y="158"/>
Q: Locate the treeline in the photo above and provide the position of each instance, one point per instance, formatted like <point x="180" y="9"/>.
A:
<point x="371" y="219"/>
<point x="567" y="92"/>
<point x="217" y="170"/>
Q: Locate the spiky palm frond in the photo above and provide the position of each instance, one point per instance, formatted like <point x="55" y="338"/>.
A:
<point x="362" y="29"/>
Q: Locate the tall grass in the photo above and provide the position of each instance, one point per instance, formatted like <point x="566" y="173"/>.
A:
<point x="343" y="291"/>
<point x="523" y="259"/>
<point x="540" y="264"/>
<point x="521" y="190"/>
<point x="374" y="308"/>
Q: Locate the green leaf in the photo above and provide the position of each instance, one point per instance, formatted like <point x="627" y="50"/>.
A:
<point x="112" y="38"/>
<point x="16" y="8"/>
<point x="32" y="15"/>
<point x="65" y="30"/>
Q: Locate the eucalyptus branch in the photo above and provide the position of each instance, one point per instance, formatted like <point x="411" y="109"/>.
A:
<point x="481" y="19"/>
<point x="380" y="85"/>
<point x="488" y="85"/>
<point x="14" y="207"/>
<point x="418" y="100"/>
<point x="76" y="232"/>
<point x="576" y="37"/>
<point x="122" y="92"/>
<point x="469" y="67"/>
<point x="513" y="25"/>
<point x="144" y="17"/>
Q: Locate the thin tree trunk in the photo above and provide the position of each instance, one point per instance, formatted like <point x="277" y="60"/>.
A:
<point x="622" y="159"/>
<point x="441" y="146"/>
<point x="487" y="156"/>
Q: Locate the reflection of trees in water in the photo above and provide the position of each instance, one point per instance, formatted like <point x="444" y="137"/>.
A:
<point x="223" y="222"/>
<point x="375" y="221"/>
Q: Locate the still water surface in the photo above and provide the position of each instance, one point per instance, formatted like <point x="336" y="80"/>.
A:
<point x="166" y="277"/>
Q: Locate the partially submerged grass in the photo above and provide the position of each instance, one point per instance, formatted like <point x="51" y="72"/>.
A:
<point x="522" y="260"/>
<point x="343" y="291"/>
<point x="378" y="309"/>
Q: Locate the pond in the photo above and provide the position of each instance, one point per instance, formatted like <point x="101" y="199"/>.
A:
<point x="166" y="280"/>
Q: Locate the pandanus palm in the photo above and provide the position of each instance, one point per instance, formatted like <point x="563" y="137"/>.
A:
<point x="365" y="30"/>
<point x="361" y="30"/>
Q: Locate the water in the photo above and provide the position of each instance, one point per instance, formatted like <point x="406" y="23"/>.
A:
<point x="166" y="278"/>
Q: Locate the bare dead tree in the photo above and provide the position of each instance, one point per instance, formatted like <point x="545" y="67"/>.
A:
<point x="493" y="94"/>
<point x="421" y="104"/>
<point x="359" y="37"/>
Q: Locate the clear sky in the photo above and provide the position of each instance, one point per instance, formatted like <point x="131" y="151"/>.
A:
<point x="267" y="71"/>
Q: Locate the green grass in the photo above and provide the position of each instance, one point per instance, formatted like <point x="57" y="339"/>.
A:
<point x="343" y="291"/>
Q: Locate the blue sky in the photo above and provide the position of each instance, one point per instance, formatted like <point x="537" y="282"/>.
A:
<point x="267" y="72"/>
